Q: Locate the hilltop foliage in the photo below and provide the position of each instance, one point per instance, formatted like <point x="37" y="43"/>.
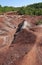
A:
<point x="34" y="9"/>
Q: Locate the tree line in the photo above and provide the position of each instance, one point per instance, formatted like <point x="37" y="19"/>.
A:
<point x="33" y="9"/>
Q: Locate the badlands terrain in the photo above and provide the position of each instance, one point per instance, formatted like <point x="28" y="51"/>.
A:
<point x="20" y="40"/>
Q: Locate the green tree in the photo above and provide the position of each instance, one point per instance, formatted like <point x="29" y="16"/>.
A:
<point x="21" y="11"/>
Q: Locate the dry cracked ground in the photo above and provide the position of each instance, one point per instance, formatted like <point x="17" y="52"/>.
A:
<point x="20" y="40"/>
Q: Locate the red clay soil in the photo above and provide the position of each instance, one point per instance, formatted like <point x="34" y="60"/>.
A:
<point x="1" y="19"/>
<point x="18" y="49"/>
<point x="26" y="48"/>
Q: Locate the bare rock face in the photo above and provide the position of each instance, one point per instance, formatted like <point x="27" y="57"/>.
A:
<point x="34" y="56"/>
<point x="6" y="34"/>
<point x="26" y="25"/>
<point x="39" y="48"/>
<point x="23" y="48"/>
<point x="25" y="36"/>
<point x="5" y="41"/>
<point x="37" y="29"/>
<point x="19" y="49"/>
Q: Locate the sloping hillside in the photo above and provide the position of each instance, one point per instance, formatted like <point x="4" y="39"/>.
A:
<point x="23" y="47"/>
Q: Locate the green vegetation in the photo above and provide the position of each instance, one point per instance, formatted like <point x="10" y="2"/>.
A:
<point x="34" y="9"/>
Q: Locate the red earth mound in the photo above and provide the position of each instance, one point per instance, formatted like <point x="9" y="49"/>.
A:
<point x="25" y="47"/>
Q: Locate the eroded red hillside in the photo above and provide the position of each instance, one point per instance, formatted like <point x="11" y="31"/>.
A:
<point x="23" y="47"/>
